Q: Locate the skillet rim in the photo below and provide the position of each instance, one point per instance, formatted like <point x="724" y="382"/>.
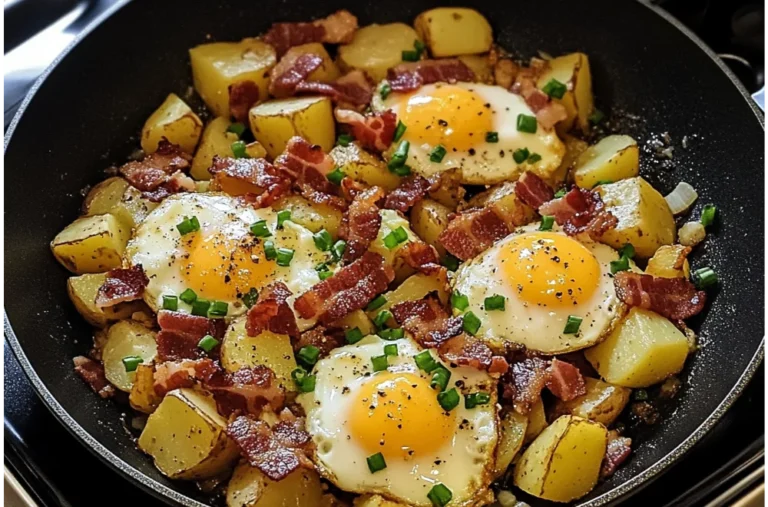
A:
<point x="167" y="494"/>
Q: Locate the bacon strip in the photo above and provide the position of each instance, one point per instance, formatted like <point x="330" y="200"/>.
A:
<point x="580" y="210"/>
<point x="466" y="350"/>
<point x="471" y="233"/>
<point x="410" y="191"/>
<point x="565" y="380"/>
<point x="156" y="174"/>
<point x="618" y="450"/>
<point x="246" y="391"/>
<point x="243" y="96"/>
<point x="292" y="70"/>
<point x="524" y="381"/>
<point x="272" y="312"/>
<point x="350" y="289"/>
<point x="180" y="333"/>
<point x="410" y="76"/>
<point x="674" y="298"/>
<point x="92" y="372"/>
<point x="243" y="176"/>
<point x="532" y="190"/>
<point x="427" y="321"/>
<point x="338" y="28"/>
<point x="422" y="257"/>
<point x="375" y="132"/>
<point x="308" y="166"/>
<point x="361" y="223"/>
<point x="177" y="183"/>
<point x="171" y="375"/>
<point x="122" y="285"/>
<point x="352" y="90"/>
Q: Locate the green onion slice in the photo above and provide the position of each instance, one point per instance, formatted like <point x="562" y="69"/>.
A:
<point x="526" y="123"/>
<point x="572" y="324"/>
<point x="459" y="301"/>
<point x="547" y="221"/>
<point x="218" y="309"/>
<point x="381" y="319"/>
<point x="390" y="350"/>
<point x="475" y="399"/>
<point x="399" y="131"/>
<point x="440" y="378"/>
<point x="376" y="462"/>
<point x="308" y="355"/>
<point x="170" y="303"/>
<point x="492" y="137"/>
<point x="236" y="128"/>
<point x="353" y="335"/>
<point x="250" y="297"/>
<point x="437" y="154"/>
<point x="708" y="215"/>
<point x="260" y="229"/>
<point x="200" y="307"/>
<point x="188" y="296"/>
<point x="282" y="216"/>
<point x="131" y="363"/>
<point x="425" y="361"/>
<point x="448" y="399"/>
<point x="304" y="381"/>
<point x="495" y="302"/>
<point x="555" y="89"/>
<point x="323" y="240"/>
<point x="379" y="363"/>
<point x="238" y="149"/>
<point x="284" y="256"/>
<point x="344" y="140"/>
<point x="188" y="225"/>
<point x="336" y="176"/>
<point x="471" y="323"/>
<point x="377" y="303"/>
<point x="270" y="252"/>
<point x="704" y="277"/>
<point x="520" y="155"/>
<point x="208" y="343"/>
<point x="439" y="495"/>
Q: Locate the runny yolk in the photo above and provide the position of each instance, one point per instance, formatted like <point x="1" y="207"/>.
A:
<point x="549" y="269"/>
<point x="398" y="415"/>
<point x="221" y="268"/>
<point x="449" y="115"/>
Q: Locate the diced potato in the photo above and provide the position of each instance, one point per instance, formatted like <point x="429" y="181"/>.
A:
<point x="513" y="426"/>
<point x="573" y="71"/>
<point x="503" y="198"/>
<point x="412" y="289"/>
<point x="248" y="487"/>
<point x="564" y="461"/>
<point x="175" y="121"/>
<point x="126" y="338"/>
<point x="644" y="349"/>
<point x="428" y="220"/>
<point x="450" y="193"/>
<point x="310" y="215"/>
<point x="361" y="166"/>
<point x="82" y="291"/>
<point x="255" y="150"/>
<point x="216" y="141"/>
<point x="116" y="197"/>
<point x="91" y="244"/>
<point x="274" y="122"/>
<point x="669" y="261"/>
<point x="186" y="437"/>
<point x="612" y="159"/>
<point x="537" y="421"/>
<point x="217" y="66"/>
<point x="238" y="350"/>
<point x="143" y="396"/>
<point x="645" y="219"/>
<point x="376" y="48"/>
<point x="391" y="221"/>
<point x="602" y="403"/>
<point x="574" y="147"/>
<point x="453" y="31"/>
<point x="481" y="66"/>
<point x="357" y="319"/>
<point x="325" y="73"/>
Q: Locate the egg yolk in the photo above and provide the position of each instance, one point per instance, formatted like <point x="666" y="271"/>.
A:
<point x="448" y="115"/>
<point x="398" y="415"/>
<point x="221" y="268"/>
<point x="550" y="269"/>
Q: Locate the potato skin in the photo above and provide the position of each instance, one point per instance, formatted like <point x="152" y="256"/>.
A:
<point x="248" y="487"/>
<point x="92" y="244"/>
<point x="175" y="121"/>
<point x="82" y="291"/>
<point x="513" y="426"/>
<point x="116" y="197"/>
<point x="428" y="220"/>
<point x="376" y="48"/>
<point x="215" y="141"/>
<point x="126" y="338"/>
<point x="454" y="31"/>
<point x="613" y="158"/>
<point x="143" y="396"/>
<point x="361" y="166"/>
<point x="274" y="122"/>
<point x="602" y="403"/>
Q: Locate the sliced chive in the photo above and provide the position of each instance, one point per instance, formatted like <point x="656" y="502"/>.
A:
<point x="602" y="182"/>
<point x="419" y="46"/>
<point x="440" y="378"/>
<point x="492" y="137"/>
<point x="376" y="462"/>
<point x="471" y="323"/>
<point x="353" y="335"/>
<point x="520" y="155"/>
<point x="395" y="237"/>
<point x="448" y="399"/>
<point x="402" y="171"/>
<point x="308" y="355"/>
<point x="344" y="140"/>
<point x="200" y="307"/>
<point x="385" y="90"/>
<point x="336" y="176"/>
<point x="260" y="229"/>
<point x="560" y="193"/>
<point x="400" y="156"/>
<point x="236" y="128"/>
<point x="619" y="265"/>
<point x="547" y="221"/>
<point x="170" y="303"/>
<point x="379" y="363"/>
<point x="188" y="296"/>
<point x="250" y="297"/>
<point x="459" y="301"/>
<point x="218" y="309"/>
<point x="381" y="319"/>
<point x="304" y="381"/>
<point x="526" y="123"/>
<point x="391" y="334"/>
<point x="596" y="117"/>
<point x="628" y="251"/>
<point x="377" y="303"/>
<point x="495" y="302"/>
<point x="475" y="399"/>
<point x="284" y="256"/>
<point x="337" y="250"/>
<point x="390" y="350"/>
<point x="439" y="495"/>
<point x="324" y="275"/>
<point x="189" y="224"/>
<point x="437" y="154"/>
<point x="535" y="157"/>
<point x="207" y="343"/>
<point x="572" y="324"/>
<point x="704" y="277"/>
<point x="131" y="363"/>
<point x="399" y="131"/>
<point x="708" y="215"/>
<point x="555" y="89"/>
<point x="425" y="361"/>
<point x="411" y="56"/>
<point x="450" y="262"/>
<point x="282" y="216"/>
<point x="323" y="240"/>
<point x="270" y="252"/>
<point x="239" y="149"/>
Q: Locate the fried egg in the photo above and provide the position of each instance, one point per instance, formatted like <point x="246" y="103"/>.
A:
<point x="460" y="118"/>
<point x="355" y="413"/>
<point x="544" y="278"/>
<point x="223" y="260"/>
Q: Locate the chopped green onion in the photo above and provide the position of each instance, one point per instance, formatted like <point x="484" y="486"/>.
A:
<point x="402" y="171"/>
<point x="475" y="399"/>
<point x="390" y="350"/>
<point x="620" y="265"/>
<point x="377" y="303"/>
<point x="218" y="309"/>
<point x="526" y="123"/>
<point x="379" y="363"/>
<point x="535" y="157"/>
<point x="708" y="215"/>
<point x="270" y="252"/>
<point x="308" y="355"/>
<point x="381" y="319"/>
<point x="400" y="156"/>
<point x="284" y="256"/>
<point x="353" y="335"/>
<point x="385" y="90"/>
<point x="555" y="89"/>
<point x="411" y="56"/>
<point x="704" y="277"/>
<point x="376" y="462"/>
<point x="324" y="275"/>
<point x="131" y="363"/>
<point x="471" y="323"/>
<point x="391" y="334"/>
<point x="238" y="149"/>
<point x="260" y="229"/>
<point x="188" y="296"/>
<point x="418" y="45"/>
<point x="337" y="250"/>
<point x="425" y="361"/>
<point x="602" y="182"/>
<point x="572" y="324"/>
<point x="439" y="495"/>
<point x="560" y="193"/>
<point x="399" y="131"/>
<point x="344" y="140"/>
<point x="251" y="297"/>
<point x="323" y="240"/>
<point x="459" y="301"/>
<point x="547" y="221"/>
<point x="640" y="395"/>
<point x="440" y="378"/>
<point x="282" y="216"/>
<point x="596" y="117"/>
<point x="304" y="381"/>
<point x="450" y="262"/>
<point x="188" y="225"/>
<point x="495" y="302"/>
<point x="520" y="155"/>
<point x="395" y="237"/>
<point x="200" y="307"/>
<point x="448" y="399"/>
<point x="437" y="154"/>
<point x="208" y="343"/>
<point x="628" y="251"/>
<point x="336" y="176"/>
<point x="237" y="129"/>
<point x="491" y="137"/>
<point x="170" y="303"/>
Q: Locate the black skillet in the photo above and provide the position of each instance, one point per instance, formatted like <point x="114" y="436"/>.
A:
<point x="650" y="74"/>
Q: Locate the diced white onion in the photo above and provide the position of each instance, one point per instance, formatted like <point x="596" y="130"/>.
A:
<point x="681" y="198"/>
<point x="691" y="234"/>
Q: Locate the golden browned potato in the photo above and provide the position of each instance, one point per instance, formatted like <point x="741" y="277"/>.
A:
<point x="314" y="217"/>
<point x="574" y="147"/>
<point x="274" y="122"/>
<point x="645" y="219"/>
<point x="669" y="261"/>
<point x="361" y="166"/>
<point x="325" y="73"/>
<point x="218" y="65"/>
<point x="125" y="339"/>
<point x="513" y="426"/>
<point x="175" y="121"/>
<point x="412" y="289"/>
<point x="602" y="403"/>
<point x="255" y="150"/>
<point x="454" y="31"/>
<point x="450" y="193"/>
<point x="376" y="48"/>
<point x="238" y="350"/>
<point x="537" y="421"/>
<point x="644" y="349"/>
<point x="357" y="319"/>
<point x="143" y="396"/>
<point x="481" y="66"/>
<point x="116" y="197"/>
<point x="248" y="487"/>
<point x="215" y="141"/>
<point x="503" y="198"/>
<point x="612" y="159"/>
<point x="186" y="437"/>
<point x="92" y="244"/>
<point x="429" y="219"/>
<point x="82" y="291"/>
<point x="572" y="70"/>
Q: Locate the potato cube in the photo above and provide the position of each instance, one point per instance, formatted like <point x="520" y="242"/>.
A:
<point x="248" y="487"/>
<point x="450" y="192"/>
<point x="537" y="421"/>
<point x="357" y="319"/>
<point x="481" y="66"/>
<point x="143" y="396"/>
<point x="504" y="200"/>
<point x="116" y="197"/>
<point x="645" y="219"/>
<point x="186" y="437"/>
<point x="215" y="141"/>
<point x="429" y="219"/>
<point x="325" y="73"/>
<point x="454" y="31"/>
<point x="669" y="261"/>
<point x="311" y="215"/>
<point x="361" y="166"/>
<point x="82" y="291"/>
<point x="274" y="122"/>
<point x="564" y="461"/>
<point x="602" y="403"/>
<point x="644" y="349"/>
<point x="513" y="426"/>
<point x="218" y="65"/>
<point x="612" y="159"/>
<point x="175" y="121"/>
<point x="255" y="150"/>
<point x="573" y="71"/>
<point x="376" y="48"/>
<point x="126" y="338"/>
<point x="91" y="244"/>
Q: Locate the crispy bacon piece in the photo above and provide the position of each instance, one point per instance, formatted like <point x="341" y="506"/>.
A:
<point x="361" y="223"/>
<point x="427" y="321"/>
<point x="375" y="132"/>
<point x="243" y="96"/>
<point x="308" y="166"/>
<point x="121" y="285"/>
<point x="548" y="112"/>
<point x="350" y="188"/>
<point x="246" y="391"/>
<point x="410" y="191"/>
<point x="504" y="72"/>
<point x="466" y="350"/>
<point x="674" y="298"/>
<point x="338" y="28"/>
<point x="532" y="190"/>
<point x="352" y="90"/>
<point x="565" y="380"/>
<point x="177" y="183"/>
<point x="524" y="381"/>
<point x="291" y="71"/>
<point x="92" y="372"/>
<point x="580" y="210"/>
<point x="171" y="375"/>
<point x="472" y="232"/>
<point x="156" y="174"/>
<point x="410" y="76"/>
<point x="421" y="256"/>
<point x="276" y="451"/>
<point x="241" y="176"/>
<point x="619" y="449"/>
<point x="350" y="289"/>
<point x="324" y="339"/>
<point x="181" y="332"/>
<point x="272" y="312"/>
